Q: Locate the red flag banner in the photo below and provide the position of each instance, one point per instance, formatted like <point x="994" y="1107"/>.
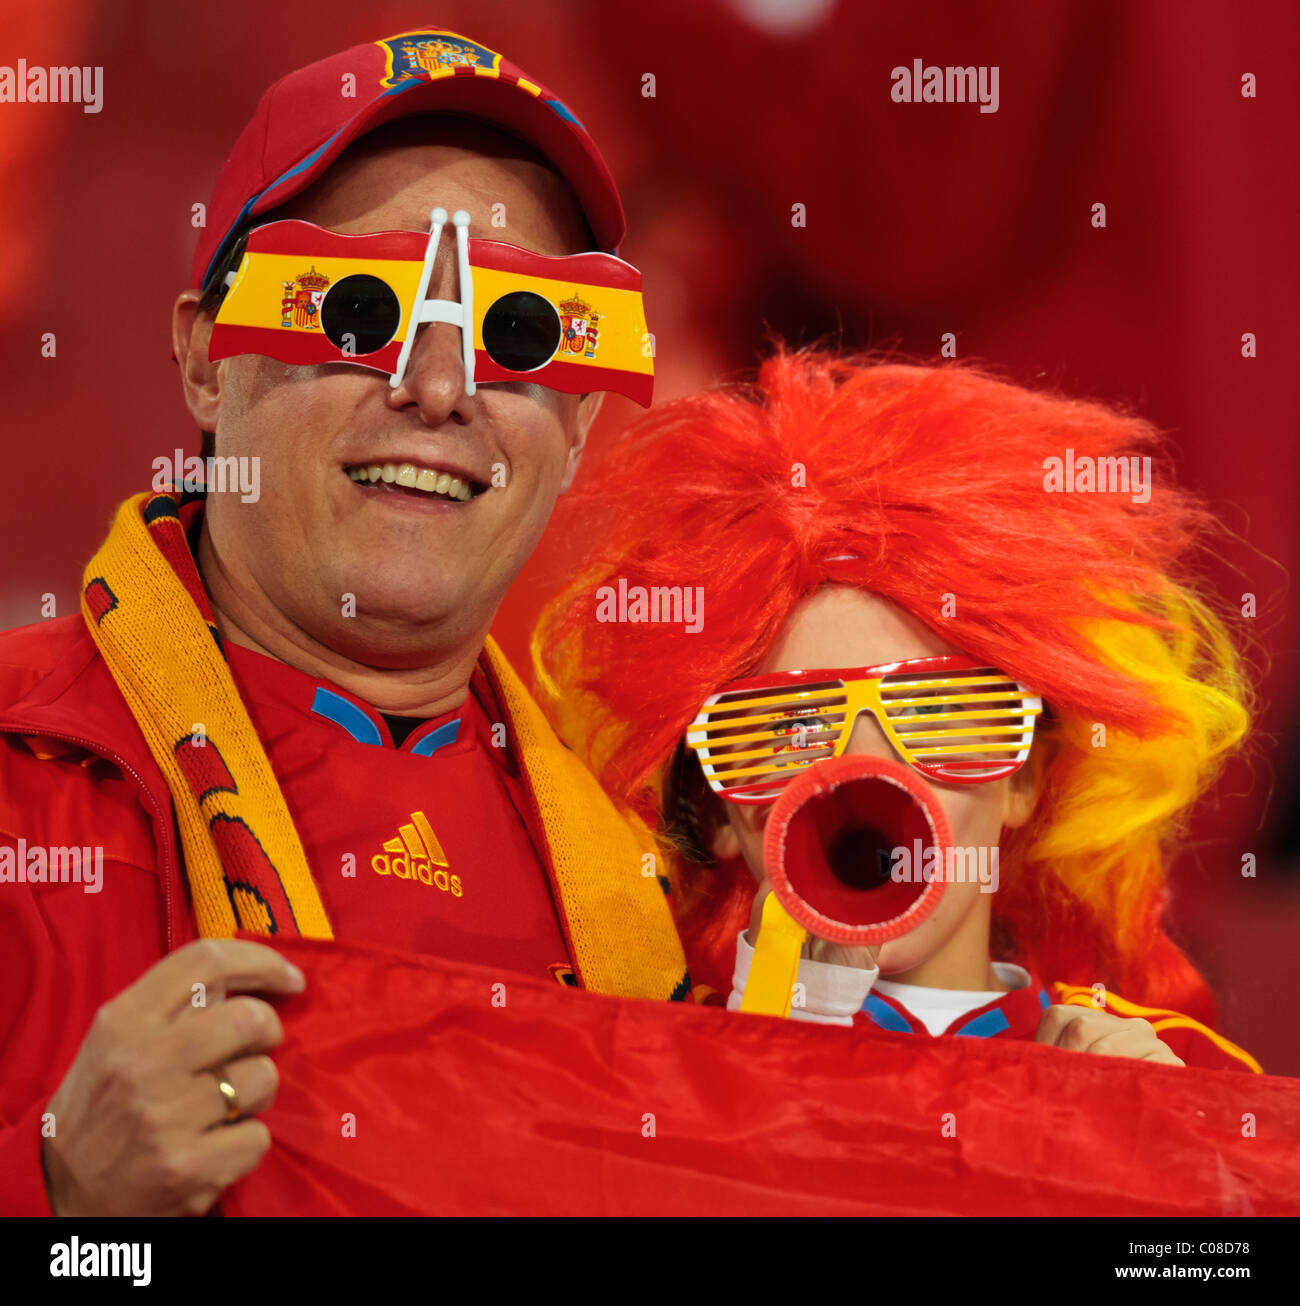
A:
<point x="410" y="1086"/>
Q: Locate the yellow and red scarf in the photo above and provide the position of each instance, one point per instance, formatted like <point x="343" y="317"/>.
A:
<point x="146" y="609"/>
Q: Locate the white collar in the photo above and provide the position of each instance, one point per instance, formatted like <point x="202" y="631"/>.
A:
<point x="916" y="995"/>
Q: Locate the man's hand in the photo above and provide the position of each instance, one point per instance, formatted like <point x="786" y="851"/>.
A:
<point x="1085" y="1029"/>
<point x="140" y="1124"/>
<point x="833" y="954"/>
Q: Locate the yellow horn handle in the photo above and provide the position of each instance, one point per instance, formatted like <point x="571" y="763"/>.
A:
<point x="774" y="967"/>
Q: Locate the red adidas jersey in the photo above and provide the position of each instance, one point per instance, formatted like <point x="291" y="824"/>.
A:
<point x="422" y="848"/>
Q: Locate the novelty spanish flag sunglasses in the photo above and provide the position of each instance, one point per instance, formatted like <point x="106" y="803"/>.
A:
<point x="950" y="718"/>
<point x="306" y="295"/>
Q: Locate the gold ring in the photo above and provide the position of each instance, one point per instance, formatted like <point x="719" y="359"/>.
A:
<point x="229" y="1096"/>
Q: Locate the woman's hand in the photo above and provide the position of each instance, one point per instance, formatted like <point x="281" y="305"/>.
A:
<point x="834" y="954"/>
<point x="1085" y="1029"/>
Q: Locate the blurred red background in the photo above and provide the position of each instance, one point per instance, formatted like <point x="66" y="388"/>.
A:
<point x="921" y="219"/>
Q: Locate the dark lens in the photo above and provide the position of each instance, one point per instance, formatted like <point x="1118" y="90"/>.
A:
<point x="521" y="331"/>
<point x="360" y="314"/>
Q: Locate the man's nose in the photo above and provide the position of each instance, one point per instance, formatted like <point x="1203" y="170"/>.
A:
<point x="434" y="380"/>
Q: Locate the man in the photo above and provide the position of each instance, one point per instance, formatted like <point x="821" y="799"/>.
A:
<point x="280" y="712"/>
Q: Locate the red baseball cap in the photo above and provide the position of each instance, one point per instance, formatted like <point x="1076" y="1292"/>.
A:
<point x="306" y="120"/>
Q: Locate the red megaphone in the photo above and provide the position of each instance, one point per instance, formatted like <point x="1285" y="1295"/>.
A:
<point x="832" y="849"/>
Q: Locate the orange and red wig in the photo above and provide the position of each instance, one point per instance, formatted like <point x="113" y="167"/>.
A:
<point x="933" y="479"/>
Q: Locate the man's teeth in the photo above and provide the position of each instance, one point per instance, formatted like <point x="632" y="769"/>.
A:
<point x="414" y="478"/>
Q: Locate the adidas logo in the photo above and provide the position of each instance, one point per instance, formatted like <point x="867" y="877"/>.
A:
<point x="417" y="855"/>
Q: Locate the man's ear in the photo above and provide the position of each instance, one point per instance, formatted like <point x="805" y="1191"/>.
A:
<point x="200" y="379"/>
<point x="588" y="408"/>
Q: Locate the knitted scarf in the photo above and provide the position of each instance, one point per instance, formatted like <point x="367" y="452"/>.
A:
<point x="146" y="609"/>
<point x="149" y="615"/>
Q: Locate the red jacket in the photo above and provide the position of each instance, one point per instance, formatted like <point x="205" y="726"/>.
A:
<point x="74" y="767"/>
<point x="75" y="770"/>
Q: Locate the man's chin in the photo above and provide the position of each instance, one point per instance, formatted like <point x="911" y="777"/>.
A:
<point x="378" y="611"/>
<point x="397" y="644"/>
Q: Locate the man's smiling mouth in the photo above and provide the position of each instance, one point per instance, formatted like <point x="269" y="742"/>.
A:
<point x="421" y="480"/>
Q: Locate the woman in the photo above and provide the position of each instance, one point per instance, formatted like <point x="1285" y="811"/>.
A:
<point x="846" y="514"/>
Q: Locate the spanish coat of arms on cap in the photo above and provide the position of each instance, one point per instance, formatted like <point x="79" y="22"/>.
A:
<point x="414" y="55"/>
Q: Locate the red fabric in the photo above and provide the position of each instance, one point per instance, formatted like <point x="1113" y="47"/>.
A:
<point x="491" y="904"/>
<point x="538" y="1106"/>
<point x="541" y="1106"/>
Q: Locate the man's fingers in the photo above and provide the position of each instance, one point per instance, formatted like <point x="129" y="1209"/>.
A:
<point x="231" y="1029"/>
<point x="254" y="1079"/>
<point x="224" y="1155"/>
<point x="219" y="966"/>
